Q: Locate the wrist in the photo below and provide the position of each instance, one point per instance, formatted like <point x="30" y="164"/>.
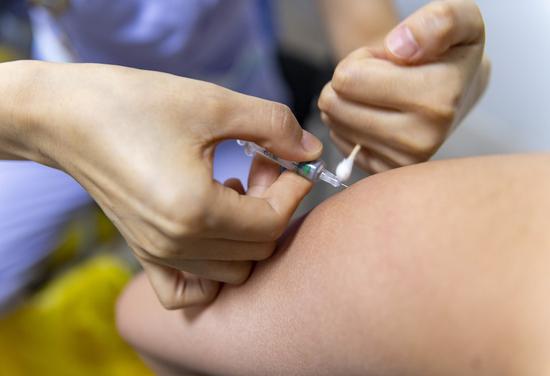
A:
<point x="23" y="135"/>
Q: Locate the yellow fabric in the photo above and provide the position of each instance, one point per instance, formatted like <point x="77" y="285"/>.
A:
<point x="68" y="328"/>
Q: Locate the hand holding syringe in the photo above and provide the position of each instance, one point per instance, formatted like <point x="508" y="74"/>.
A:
<point x="312" y="170"/>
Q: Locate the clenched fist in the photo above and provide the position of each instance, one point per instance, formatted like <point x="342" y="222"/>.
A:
<point x="401" y="102"/>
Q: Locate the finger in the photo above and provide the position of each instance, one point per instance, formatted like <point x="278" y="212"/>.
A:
<point x="433" y="29"/>
<point x="263" y="173"/>
<point x="390" y="154"/>
<point x="176" y="289"/>
<point x="254" y="219"/>
<point x="381" y="84"/>
<point x="366" y="159"/>
<point x="269" y="124"/>
<point x="367" y="52"/>
<point x="235" y="184"/>
<point x="286" y="193"/>
<point x="212" y="249"/>
<point x="377" y="82"/>
<point x="232" y="272"/>
<point x="386" y="145"/>
<point x="392" y="128"/>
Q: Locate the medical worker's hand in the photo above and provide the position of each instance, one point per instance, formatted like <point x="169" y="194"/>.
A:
<point x="401" y="103"/>
<point x="142" y="143"/>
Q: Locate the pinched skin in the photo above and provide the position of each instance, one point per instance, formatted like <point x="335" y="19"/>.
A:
<point x="436" y="269"/>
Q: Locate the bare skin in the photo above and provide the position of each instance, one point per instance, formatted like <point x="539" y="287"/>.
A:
<point x="352" y="24"/>
<point x="437" y="269"/>
<point x="124" y="135"/>
<point x="400" y="101"/>
<point x="142" y="144"/>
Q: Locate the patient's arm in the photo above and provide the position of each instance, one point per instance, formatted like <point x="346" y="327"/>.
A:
<point x="437" y="269"/>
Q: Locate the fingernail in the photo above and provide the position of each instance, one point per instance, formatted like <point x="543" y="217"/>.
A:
<point x="401" y="42"/>
<point x="310" y="143"/>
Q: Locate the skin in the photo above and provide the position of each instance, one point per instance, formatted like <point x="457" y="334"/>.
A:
<point x="104" y="126"/>
<point x="347" y="28"/>
<point x="391" y="100"/>
<point x="187" y="236"/>
<point x="437" y="269"/>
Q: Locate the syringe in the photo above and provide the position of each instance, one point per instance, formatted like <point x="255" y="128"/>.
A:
<point x="312" y="170"/>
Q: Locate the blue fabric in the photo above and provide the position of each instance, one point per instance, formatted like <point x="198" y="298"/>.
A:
<point x="35" y="202"/>
<point x="224" y="42"/>
<point x="17" y="7"/>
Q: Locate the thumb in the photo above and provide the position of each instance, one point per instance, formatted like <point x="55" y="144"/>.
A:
<point x="269" y="124"/>
<point x="432" y="30"/>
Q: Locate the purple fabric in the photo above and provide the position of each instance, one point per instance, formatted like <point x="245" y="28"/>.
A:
<point x="35" y="201"/>
<point x="213" y="40"/>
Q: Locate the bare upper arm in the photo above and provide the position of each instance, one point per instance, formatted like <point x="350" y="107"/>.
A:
<point x="434" y="269"/>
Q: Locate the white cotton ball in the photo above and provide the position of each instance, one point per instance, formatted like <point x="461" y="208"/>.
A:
<point x="343" y="171"/>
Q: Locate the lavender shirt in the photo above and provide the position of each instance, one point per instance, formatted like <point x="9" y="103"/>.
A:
<point x="213" y="40"/>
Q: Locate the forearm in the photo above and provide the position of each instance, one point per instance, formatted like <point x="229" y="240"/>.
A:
<point x="21" y="135"/>
<point x="356" y="23"/>
<point x="435" y="269"/>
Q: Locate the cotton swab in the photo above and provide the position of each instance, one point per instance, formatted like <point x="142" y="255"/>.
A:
<point x="343" y="171"/>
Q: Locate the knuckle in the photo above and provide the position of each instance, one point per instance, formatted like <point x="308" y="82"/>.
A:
<point x="239" y="274"/>
<point x="407" y="159"/>
<point x="444" y="16"/>
<point x="327" y="99"/>
<point x="443" y="115"/>
<point x="169" y="299"/>
<point x="442" y="111"/>
<point x="282" y="120"/>
<point x="326" y="120"/>
<point x="412" y="159"/>
<point x="454" y="77"/>
<point x="376" y="166"/>
<point x="188" y="293"/>
<point x="163" y="248"/>
<point x="170" y="303"/>
<point x="343" y="75"/>
<point x="155" y="245"/>
<point x="446" y="100"/>
<point x="423" y="146"/>
<point x="337" y="138"/>
<point x="477" y="19"/>
<point x="209" y="289"/>
<point x="183" y="217"/>
<point x="217" y="103"/>
<point x="276" y="231"/>
<point x="265" y="251"/>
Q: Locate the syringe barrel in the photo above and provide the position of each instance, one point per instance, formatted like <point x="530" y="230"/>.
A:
<point x="310" y="170"/>
<point x="250" y="148"/>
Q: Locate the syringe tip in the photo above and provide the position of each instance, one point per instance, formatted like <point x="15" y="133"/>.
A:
<point x="330" y="178"/>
